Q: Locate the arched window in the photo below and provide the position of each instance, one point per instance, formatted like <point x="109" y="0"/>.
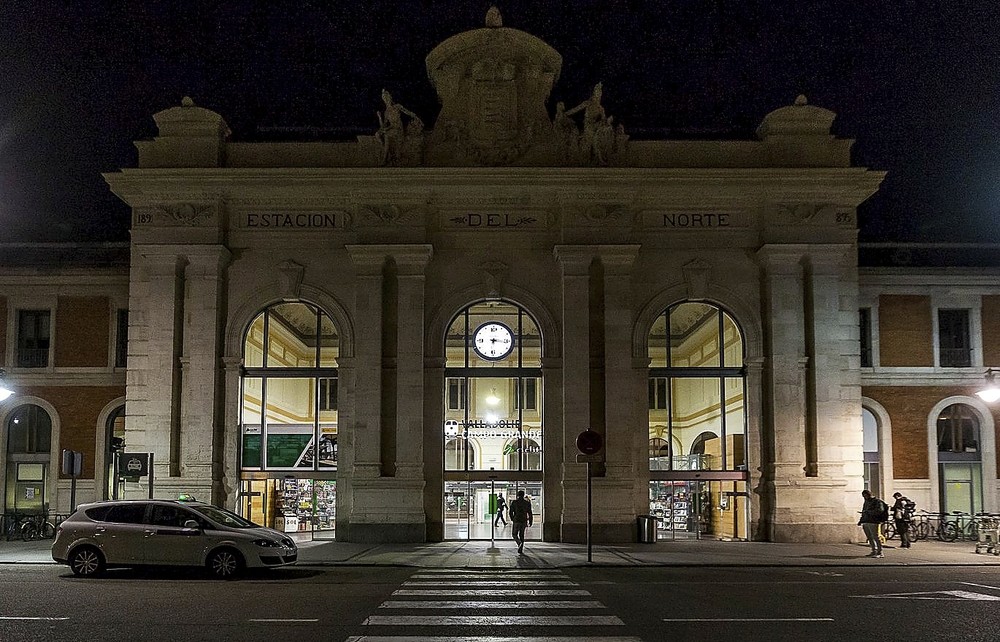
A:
<point x="872" y="458"/>
<point x="493" y="391"/>
<point x="659" y="454"/>
<point x="696" y="388"/>
<point x="290" y="369"/>
<point x="29" y="439"/>
<point x="959" y="459"/>
<point x="115" y="443"/>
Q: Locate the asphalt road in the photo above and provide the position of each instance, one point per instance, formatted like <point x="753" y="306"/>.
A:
<point x="581" y="604"/>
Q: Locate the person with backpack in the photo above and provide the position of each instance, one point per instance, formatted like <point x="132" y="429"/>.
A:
<point x="902" y="514"/>
<point x="520" y="518"/>
<point x="873" y="512"/>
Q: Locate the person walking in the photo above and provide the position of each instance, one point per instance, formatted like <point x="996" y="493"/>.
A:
<point x="501" y="507"/>
<point x="520" y="518"/>
<point x="873" y="512"/>
<point x="902" y="514"/>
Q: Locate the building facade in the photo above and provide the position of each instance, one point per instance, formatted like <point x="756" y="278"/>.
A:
<point x="368" y="339"/>
<point x="927" y="335"/>
<point x="63" y="347"/>
<point x="395" y="326"/>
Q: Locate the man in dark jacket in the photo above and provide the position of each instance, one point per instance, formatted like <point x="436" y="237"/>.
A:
<point x="870" y="520"/>
<point x="520" y="518"/>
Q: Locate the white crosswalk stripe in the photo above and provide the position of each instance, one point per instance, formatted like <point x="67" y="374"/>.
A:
<point x="518" y="599"/>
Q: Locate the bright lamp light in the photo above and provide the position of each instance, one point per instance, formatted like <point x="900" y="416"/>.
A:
<point x="5" y="392"/>
<point x="991" y="392"/>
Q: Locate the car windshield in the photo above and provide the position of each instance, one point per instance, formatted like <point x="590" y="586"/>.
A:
<point x="223" y="516"/>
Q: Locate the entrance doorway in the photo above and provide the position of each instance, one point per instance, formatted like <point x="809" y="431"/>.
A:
<point x="688" y="509"/>
<point x="467" y="509"/>
<point x="291" y="505"/>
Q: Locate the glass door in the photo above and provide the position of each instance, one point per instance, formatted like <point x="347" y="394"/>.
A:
<point x="469" y="514"/>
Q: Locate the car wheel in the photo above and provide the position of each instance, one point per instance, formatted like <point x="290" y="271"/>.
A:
<point x="86" y="561"/>
<point x="225" y="563"/>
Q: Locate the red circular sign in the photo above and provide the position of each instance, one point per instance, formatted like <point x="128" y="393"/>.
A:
<point x="589" y="442"/>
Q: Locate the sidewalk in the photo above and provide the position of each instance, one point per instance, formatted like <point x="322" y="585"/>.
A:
<point x="553" y="555"/>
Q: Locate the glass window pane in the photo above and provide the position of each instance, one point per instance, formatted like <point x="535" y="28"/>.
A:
<point x="289" y="427"/>
<point x="29" y="430"/>
<point x="695" y="417"/>
<point x="328" y="413"/>
<point x="658" y="343"/>
<point x="694" y="336"/>
<point x="869" y="424"/>
<point x="252" y="399"/>
<point x="736" y="438"/>
<point x="493" y="428"/>
<point x="455" y="343"/>
<point x="291" y="336"/>
<point x="733" y="342"/>
<point x="253" y="347"/>
<point x="329" y="343"/>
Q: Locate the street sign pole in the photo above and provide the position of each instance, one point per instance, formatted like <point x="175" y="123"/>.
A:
<point x="590" y="481"/>
<point x="151" y="475"/>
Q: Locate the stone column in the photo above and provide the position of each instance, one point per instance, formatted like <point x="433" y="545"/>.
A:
<point x="366" y="430"/>
<point x="232" y="443"/>
<point x="155" y="308"/>
<point x="202" y="376"/>
<point x="575" y="261"/>
<point x="555" y="455"/>
<point x="783" y="311"/>
<point x="623" y="419"/>
<point x="411" y="260"/>
<point x="836" y="380"/>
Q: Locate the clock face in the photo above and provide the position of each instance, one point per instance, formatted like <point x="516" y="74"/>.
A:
<point x="493" y="341"/>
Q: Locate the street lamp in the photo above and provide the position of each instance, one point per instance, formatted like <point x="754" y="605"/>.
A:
<point x="4" y="390"/>
<point x="991" y="392"/>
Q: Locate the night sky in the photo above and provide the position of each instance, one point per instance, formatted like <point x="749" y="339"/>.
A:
<point x="916" y="82"/>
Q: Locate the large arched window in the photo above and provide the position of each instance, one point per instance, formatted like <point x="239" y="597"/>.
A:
<point x="696" y="388"/>
<point x="29" y="439"/>
<point x="289" y="410"/>
<point x="493" y="391"/>
<point x="872" y="457"/>
<point x="960" y="459"/>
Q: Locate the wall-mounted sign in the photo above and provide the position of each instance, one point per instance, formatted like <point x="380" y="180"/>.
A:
<point x="293" y="220"/>
<point x="678" y="220"/>
<point x="133" y="464"/>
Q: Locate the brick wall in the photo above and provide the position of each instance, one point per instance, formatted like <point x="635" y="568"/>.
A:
<point x="78" y="408"/>
<point x="3" y="331"/>
<point x="905" y="331"/>
<point x="83" y="332"/>
<point x="991" y="331"/>
<point x="908" y="408"/>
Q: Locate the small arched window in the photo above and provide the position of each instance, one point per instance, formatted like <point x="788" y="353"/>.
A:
<point x="958" y="430"/>
<point x="29" y="431"/>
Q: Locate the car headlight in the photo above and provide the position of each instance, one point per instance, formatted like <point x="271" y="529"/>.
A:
<point x="266" y="543"/>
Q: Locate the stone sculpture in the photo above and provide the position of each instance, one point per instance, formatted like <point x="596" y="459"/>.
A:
<point x="399" y="141"/>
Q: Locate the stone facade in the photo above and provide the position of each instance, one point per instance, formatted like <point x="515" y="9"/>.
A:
<point x="592" y="233"/>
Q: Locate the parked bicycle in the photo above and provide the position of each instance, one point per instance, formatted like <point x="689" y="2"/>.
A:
<point x="27" y="527"/>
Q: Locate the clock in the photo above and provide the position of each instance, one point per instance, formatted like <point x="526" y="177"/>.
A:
<point x="493" y="341"/>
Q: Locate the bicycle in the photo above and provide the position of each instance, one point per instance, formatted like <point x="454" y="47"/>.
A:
<point x="28" y="527"/>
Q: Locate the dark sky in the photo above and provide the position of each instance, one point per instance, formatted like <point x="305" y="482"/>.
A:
<point x="916" y="82"/>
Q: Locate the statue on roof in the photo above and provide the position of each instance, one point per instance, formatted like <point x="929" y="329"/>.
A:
<point x="599" y="135"/>
<point x="398" y="140"/>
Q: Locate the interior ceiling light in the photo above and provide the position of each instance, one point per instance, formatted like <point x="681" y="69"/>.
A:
<point x="493" y="399"/>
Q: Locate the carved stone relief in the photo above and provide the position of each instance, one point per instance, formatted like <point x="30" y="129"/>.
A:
<point x="494" y="276"/>
<point x="290" y="276"/>
<point x="696" y="277"/>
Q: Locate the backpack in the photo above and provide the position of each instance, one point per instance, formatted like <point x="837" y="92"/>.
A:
<point x="883" y="512"/>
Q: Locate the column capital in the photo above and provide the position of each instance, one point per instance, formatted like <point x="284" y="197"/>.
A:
<point x="575" y="259"/>
<point x="617" y="259"/>
<point x="368" y="260"/>
<point x="411" y="260"/>
<point x="782" y="259"/>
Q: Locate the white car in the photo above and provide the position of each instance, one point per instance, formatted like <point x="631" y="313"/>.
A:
<point x="164" y="532"/>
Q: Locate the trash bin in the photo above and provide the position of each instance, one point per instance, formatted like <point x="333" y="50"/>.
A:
<point x="647" y="529"/>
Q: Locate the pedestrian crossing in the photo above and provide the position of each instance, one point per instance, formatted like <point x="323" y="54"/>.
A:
<point x="491" y="605"/>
